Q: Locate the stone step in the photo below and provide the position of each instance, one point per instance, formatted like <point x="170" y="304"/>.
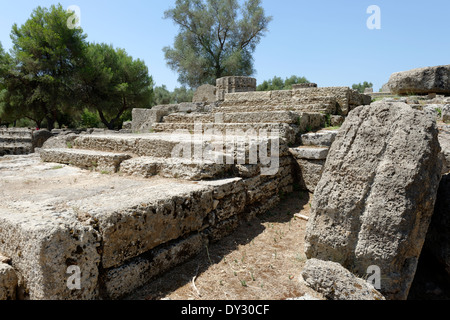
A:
<point x="177" y="168"/>
<point x="235" y="117"/>
<point x="310" y="152"/>
<point x="283" y="97"/>
<point x="86" y="159"/>
<point x="15" y="149"/>
<point x="285" y="131"/>
<point x="324" y="107"/>
<point x="116" y="230"/>
<point x="323" y="138"/>
<point x="15" y="139"/>
<point x="185" y="145"/>
<point x="16" y="132"/>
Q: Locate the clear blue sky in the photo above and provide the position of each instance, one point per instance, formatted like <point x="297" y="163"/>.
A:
<point x="327" y="41"/>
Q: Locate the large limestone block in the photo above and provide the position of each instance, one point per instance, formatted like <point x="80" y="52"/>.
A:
<point x="310" y="173"/>
<point x="8" y="282"/>
<point x="102" y="161"/>
<point x="205" y="93"/>
<point x="139" y="271"/>
<point x="421" y="81"/>
<point x="132" y="222"/>
<point x="444" y="139"/>
<point x="310" y="152"/>
<point x="43" y="244"/>
<point x="375" y="200"/>
<point x="322" y="138"/>
<point x="337" y="283"/>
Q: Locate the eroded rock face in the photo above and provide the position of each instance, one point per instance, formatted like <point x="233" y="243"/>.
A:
<point x="337" y="283"/>
<point x="8" y="282"/>
<point x="375" y="200"/>
<point x="205" y="93"/>
<point x="421" y="81"/>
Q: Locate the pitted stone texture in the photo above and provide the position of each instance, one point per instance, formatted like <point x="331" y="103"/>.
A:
<point x="300" y="100"/>
<point x="60" y="141"/>
<point x="138" y="271"/>
<point x="346" y="98"/>
<point x="337" y="283"/>
<point x="322" y="138"/>
<point x="175" y="168"/>
<point x="310" y="152"/>
<point x="446" y="113"/>
<point x="234" y="84"/>
<point x="444" y="140"/>
<point x="235" y="117"/>
<point x="283" y="131"/>
<point x="304" y="85"/>
<point x="16" y="141"/>
<point x="421" y="81"/>
<point x="375" y="200"/>
<point x="133" y="223"/>
<point x="8" y="282"/>
<point x="87" y="159"/>
<point x="310" y="173"/>
<point x="205" y="93"/>
<point x="43" y="244"/>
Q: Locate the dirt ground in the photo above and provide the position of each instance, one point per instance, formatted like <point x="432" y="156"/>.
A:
<point x="262" y="260"/>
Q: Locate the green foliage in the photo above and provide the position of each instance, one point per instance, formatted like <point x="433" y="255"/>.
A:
<point x="217" y="38"/>
<point x="361" y="87"/>
<point x="113" y="83"/>
<point x="89" y="119"/>
<point x="53" y="75"/>
<point x="278" y="83"/>
<point x="40" y="79"/>
<point x="179" y="95"/>
<point x="162" y="95"/>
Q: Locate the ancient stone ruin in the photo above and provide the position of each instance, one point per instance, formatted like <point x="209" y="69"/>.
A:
<point x="120" y="208"/>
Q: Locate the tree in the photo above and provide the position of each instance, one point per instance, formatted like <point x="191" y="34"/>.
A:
<point x="179" y="95"/>
<point x="162" y="96"/>
<point x="361" y="87"/>
<point x="182" y="94"/>
<point x="3" y="70"/>
<point x="113" y="83"/>
<point x="47" y="53"/>
<point x="217" y="38"/>
<point x="278" y="83"/>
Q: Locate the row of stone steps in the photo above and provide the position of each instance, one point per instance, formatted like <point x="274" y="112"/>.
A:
<point x="235" y="117"/>
<point x="311" y="156"/>
<point x="178" y="156"/>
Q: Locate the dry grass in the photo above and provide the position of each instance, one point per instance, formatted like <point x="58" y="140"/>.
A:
<point x="262" y="260"/>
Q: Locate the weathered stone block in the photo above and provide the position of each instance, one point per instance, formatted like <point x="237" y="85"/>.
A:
<point x="42" y="245"/>
<point x="421" y="81"/>
<point x="321" y="138"/>
<point x="205" y="93"/>
<point x="8" y="282"/>
<point x="134" y="224"/>
<point x="310" y="173"/>
<point x="87" y="159"/>
<point x="310" y="152"/>
<point x="138" y="271"/>
<point x="337" y="283"/>
<point x="376" y="197"/>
